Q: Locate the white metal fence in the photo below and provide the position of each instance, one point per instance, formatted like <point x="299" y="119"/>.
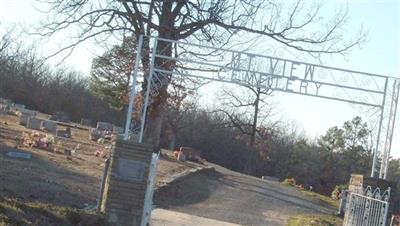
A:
<point x="367" y="209"/>
<point x="148" y="200"/>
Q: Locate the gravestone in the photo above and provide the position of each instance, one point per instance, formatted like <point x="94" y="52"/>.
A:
<point x="18" y="107"/>
<point x="86" y="122"/>
<point x="23" y="119"/>
<point x="105" y="126"/>
<point x="118" y="130"/>
<point x="18" y="154"/>
<point x="95" y="134"/>
<point x="126" y="183"/>
<point x="49" y="126"/>
<point x="34" y="123"/>
<point x="64" y="133"/>
<point x="2" y="109"/>
<point x="27" y="112"/>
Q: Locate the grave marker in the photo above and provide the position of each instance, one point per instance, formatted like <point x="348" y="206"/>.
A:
<point x="49" y="126"/>
<point x="34" y="123"/>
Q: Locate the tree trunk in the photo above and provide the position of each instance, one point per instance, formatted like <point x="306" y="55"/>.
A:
<point x="255" y="118"/>
<point x="157" y="107"/>
<point x="172" y="142"/>
<point x="252" y="157"/>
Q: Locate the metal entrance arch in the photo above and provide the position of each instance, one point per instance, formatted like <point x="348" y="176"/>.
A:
<point x="379" y="93"/>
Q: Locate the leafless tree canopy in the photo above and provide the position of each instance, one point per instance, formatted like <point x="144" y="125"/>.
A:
<point x="296" y="25"/>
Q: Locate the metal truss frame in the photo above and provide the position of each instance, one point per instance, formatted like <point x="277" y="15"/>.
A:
<point x="379" y="92"/>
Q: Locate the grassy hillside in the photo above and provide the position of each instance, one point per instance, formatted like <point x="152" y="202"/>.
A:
<point x="14" y="212"/>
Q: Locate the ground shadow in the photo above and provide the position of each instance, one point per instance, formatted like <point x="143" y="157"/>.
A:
<point x="192" y="189"/>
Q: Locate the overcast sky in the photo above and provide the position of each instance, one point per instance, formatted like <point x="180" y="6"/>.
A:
<point x="380" y="54"/>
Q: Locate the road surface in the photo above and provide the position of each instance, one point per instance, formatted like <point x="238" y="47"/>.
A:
<point x="235" y="198"/>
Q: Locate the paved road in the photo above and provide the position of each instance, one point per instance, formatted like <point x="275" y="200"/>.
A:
<point x="161" y="217"/>
<point x="232" y="197"/>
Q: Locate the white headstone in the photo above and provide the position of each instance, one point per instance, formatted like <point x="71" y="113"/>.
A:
<point x="34" y="123"/>
<point x="49" y="126"/>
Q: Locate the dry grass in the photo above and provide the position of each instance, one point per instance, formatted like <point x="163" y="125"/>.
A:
<point x="326" y="199"/>
<point x="50" y="177"/>
<point x="315" y="220"/>
<point x="14" y="212"/>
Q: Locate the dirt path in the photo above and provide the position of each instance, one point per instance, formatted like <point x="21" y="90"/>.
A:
<point x="236" y="198"/>
<point x="161" y="217"/>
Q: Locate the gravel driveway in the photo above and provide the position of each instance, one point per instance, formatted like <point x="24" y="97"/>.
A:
<point x="232" y="197"/>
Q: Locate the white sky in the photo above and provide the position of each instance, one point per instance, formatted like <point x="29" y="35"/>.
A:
<point x="380" y="54"/>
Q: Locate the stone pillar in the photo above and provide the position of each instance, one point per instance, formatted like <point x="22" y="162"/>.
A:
<point x="126" y="182"/>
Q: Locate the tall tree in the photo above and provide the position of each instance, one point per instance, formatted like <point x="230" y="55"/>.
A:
<point x="178" y="106"/>
<point x="247" y="109"/>
<point x="110" y="75"/>
<point x="344" y="151"/>
<point x="213" y="21"/>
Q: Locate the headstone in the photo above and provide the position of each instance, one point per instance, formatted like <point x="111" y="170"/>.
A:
<point x="17" y="154"/>
<point x="34" y="123"/>
<point x="19" y="107"/>
<point x="62" y="116"/>
<point x="53" y="118"/>
<point x="28" y="112"/>
<point x="105" y="126"/>
<point x="126" y="183"/>
<point x="8" y="108"/>
<point x="49" y="126"/>
<point x="64" y="133"/>
<point x="95" y="134"/>
<point x="118" y="130"/>
<point x="23" y="119"/>
<point x="86" y="122"/>
<point x="2" y="109"/>
<point x="67" y="152"/>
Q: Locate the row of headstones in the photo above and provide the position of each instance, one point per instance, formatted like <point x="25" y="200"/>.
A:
<point x="28" y="119"/>
<point x="104" y="130"/>
<point x="9" y="107"/>
<point x="102" y="126"/>
<point x="31" y="122"/>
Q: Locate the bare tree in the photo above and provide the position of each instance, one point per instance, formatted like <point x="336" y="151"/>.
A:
<point x="247" y="109"/>
<point x="213" y="21"/>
